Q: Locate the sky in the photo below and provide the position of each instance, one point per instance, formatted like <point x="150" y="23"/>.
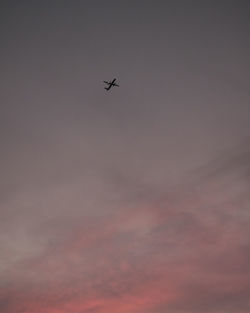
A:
<point x="134" y="200"/>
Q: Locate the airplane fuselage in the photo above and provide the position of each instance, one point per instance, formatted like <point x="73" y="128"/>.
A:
<point x="111" y="84"/>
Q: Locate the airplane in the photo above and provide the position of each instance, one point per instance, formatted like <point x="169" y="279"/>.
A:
<point x="111" y="84"/>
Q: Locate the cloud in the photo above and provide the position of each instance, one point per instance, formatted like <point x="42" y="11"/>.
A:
<point x="182" y="250"/>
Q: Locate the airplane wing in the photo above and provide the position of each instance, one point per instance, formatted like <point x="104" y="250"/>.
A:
<point x="116" y="85"/>
<point x="106" y="82"/>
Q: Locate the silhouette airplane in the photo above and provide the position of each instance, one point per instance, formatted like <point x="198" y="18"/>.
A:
<point x="111" y="84"/>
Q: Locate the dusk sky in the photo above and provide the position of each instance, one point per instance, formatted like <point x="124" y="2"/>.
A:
<point x="136" y="199"/>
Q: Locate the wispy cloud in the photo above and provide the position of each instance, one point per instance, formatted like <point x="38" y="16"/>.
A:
<point x="185" y="250"/>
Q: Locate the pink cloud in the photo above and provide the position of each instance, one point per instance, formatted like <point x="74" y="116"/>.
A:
<point x="188" y="251"/>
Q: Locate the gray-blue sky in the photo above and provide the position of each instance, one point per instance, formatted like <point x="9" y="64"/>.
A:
<point x="97" y="181"/>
